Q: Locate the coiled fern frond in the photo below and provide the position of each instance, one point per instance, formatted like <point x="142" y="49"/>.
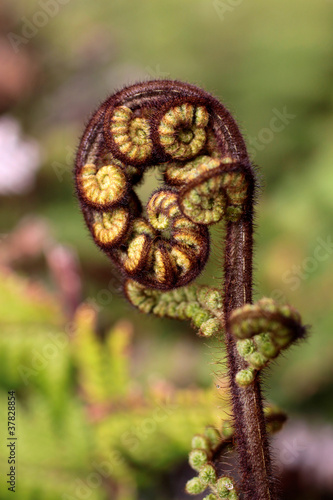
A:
<point x="161" y="248"/>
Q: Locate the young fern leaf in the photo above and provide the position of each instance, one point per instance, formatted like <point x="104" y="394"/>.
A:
<point x="207" y="449"/>
<point x="264" y="328"/>
<point x="207" y="175"/>
<point x="200" y="304"/>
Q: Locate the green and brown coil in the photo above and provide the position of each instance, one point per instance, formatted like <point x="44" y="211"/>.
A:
<point x="191" y="137"/>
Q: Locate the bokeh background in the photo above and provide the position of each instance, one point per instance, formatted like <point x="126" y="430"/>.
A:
<point x="107" y="399"/>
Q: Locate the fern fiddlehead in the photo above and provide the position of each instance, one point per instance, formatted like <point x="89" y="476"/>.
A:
<point x="207" y="177"/>
<point x="172" y="126"/>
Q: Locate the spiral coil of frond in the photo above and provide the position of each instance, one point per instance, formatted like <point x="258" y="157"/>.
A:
<point x="264" y="329"/>
<point x="177" y="128"/>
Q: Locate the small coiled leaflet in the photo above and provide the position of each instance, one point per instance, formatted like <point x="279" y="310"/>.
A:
<point x="263" y="330"/>
<point x="177" y="128"/>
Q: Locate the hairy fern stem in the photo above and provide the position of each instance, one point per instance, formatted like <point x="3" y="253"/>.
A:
<point x="251" y="436"/>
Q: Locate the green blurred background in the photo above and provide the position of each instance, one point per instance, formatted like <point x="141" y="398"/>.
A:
<point x="88" y="383"/>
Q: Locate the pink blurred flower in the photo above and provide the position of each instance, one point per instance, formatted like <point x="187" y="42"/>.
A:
<point x="20" y="158"/>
